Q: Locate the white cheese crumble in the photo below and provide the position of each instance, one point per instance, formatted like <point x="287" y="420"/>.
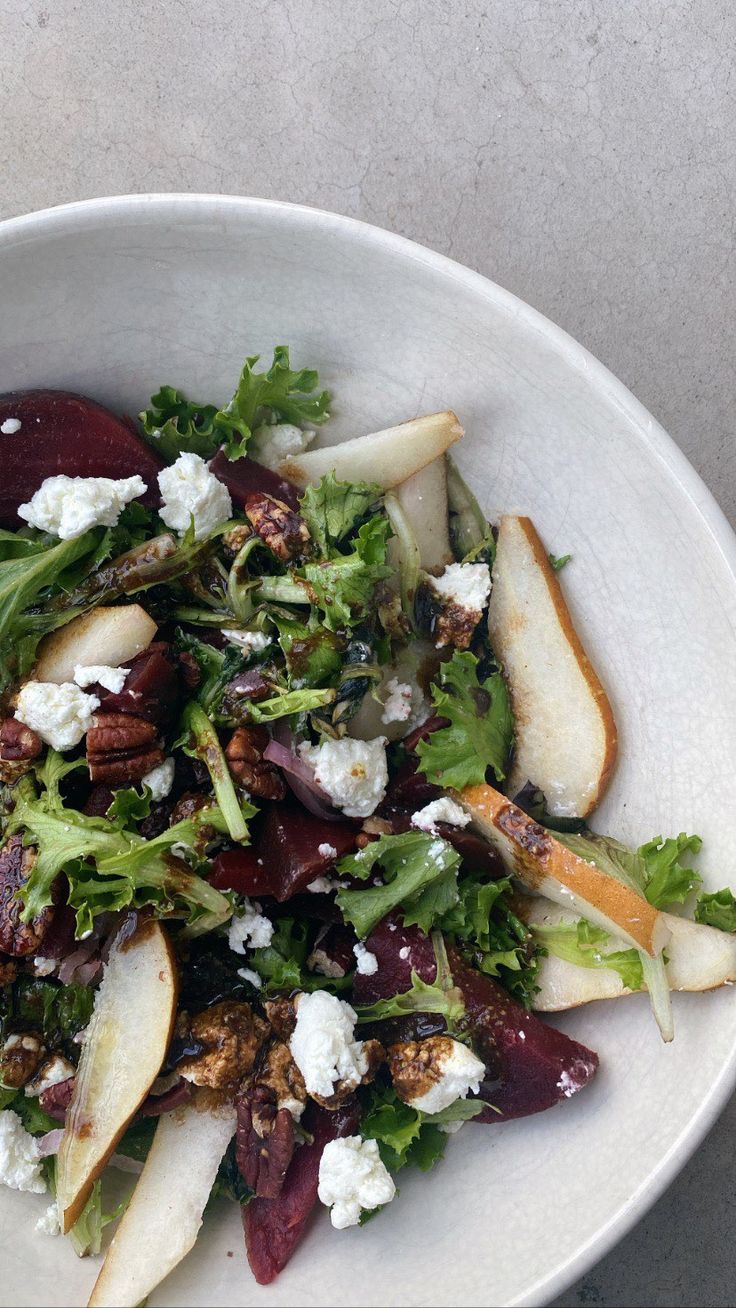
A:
<point x="270" y="445"/>
<point x="113" y="679"/>
<point x="251" y="928"/>
<point x="44" y="966"/>
<point x="404" y="953"/>
<point x="20" y="1164"/>
<point x="460" y="1072"/>
<point x="440" y="810"/>
<point x="353" y="1179"/>
<point x="322" y="1043"/>
<point x="60" y="714"/>
<point x="366" y="961"/>
<point x="253" y="641"/>
<point x="160" y="779"/>
<point x="326" y="851"/>
<point x="10" y="426"/>
<point x="399" y="701"/>
<point x="248" y="974"/>
<point x="465" y="584"/>
<point x="68" y="506"/>
<point x="189" y="490"/>
<point x="353" y="772"/>
<point x="55" y="1070"/>
<point x="48" y="1223"/>
<point x="322" y="886"/>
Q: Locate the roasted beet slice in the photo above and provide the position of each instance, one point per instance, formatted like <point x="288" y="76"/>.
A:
<point x="152" y="687"/>
<point x="56" y="1100"/>
<point x="70" y="434"/>
<point x="531" y="1065"/>
<point x="241" y="870"/>
<point x="244" y="477"/>
<point x="409" y="788"/>
<point x="289" y="843"/>
<point x="274" y="1227"/>
<point x="333" y="950"/>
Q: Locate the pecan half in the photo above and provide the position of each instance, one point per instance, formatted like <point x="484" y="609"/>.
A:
<point x="253" y="773"/>
<point x="19" y="745"/>
<point x="19" y="1058"/>
<point x="264" y="1141"/>
<point x="284" y="532"/>
<point x="19" y="938"/>
<point x="121" y="748"/>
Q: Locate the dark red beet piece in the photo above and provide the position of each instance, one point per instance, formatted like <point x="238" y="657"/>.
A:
<point x="155" y="1105"/>
<point x="240" y="870"/>
<point x="59" y="940"/>
<point x="244" y="476"/>
<point x="336" y="941"/>
<point x="532" y="1066"/>
<point x="70" y="434"/>
<point x="289" y="841"/>
<point x="409" y="788"/>
<point x="274" y="1227"/>
<point x="152" y="687"/>
<point x="56" y="1100"/>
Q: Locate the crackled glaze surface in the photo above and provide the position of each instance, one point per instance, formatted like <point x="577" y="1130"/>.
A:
<point x="114" y="298"/>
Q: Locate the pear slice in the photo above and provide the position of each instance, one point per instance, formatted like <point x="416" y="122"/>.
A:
<point x="546" y="867"/>
<point x="423" y="497"/>
<point x="162" y="1220"/>
<point x="126" y="1043"/>
<point x="699" y="958"/>
<point x="106" y="635"/>
<point x="385" y="457"/>
<point x="565" y="729"/>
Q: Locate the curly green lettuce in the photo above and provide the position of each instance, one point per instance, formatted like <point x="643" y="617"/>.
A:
<point x="480" y="730"/>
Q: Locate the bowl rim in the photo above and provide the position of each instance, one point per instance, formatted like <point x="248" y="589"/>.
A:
<point x="63" y="219"/>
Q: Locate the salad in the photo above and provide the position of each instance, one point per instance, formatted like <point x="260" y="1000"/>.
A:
<point x="298" y="757"/>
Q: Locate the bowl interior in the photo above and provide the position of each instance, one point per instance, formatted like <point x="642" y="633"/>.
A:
<point x="116" y="297"/>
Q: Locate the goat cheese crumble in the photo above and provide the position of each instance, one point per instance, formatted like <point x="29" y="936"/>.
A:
<point x="190" y="491"/>
<point x="460" y="1072"/>
<point x="326" y="851"/>
<point x="439" y="810"/>
<point x="270" y="445"/>
<point x="10" y="426"/>
<point x="367" y="963"/>
<point x="48" y="1223"/>
<point x="323" y="1045"/>
<point x="253" y="978"/>
<point x="353" y="772"/>
<point x="399" y="701"/>
<point x="113" y="679"/>
<point x="56" y="1069"/>
<point x="466" y="584"/>
<point x="353" y="1179"/>
<point x="252" y="929"/>
<point x="20" y="1164"/>
<point x="60" y="714"/>
<point x="160" y="779"/>
<point x="68" y="506"/>
<point x="253" y="641"/>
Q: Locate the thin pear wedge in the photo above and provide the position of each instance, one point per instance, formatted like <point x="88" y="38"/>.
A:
<point x="162" y="1220"/>
<point x="423" y="499"/>
<point x="106" y="635"/>
<point x="699" y="958"/>
<point x="565" y="730"/>
<point x="125" y="1046"/>
<point x="384" y="457"/>
<point x="546" y="867"/>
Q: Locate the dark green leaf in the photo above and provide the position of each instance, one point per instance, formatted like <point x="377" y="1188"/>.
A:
<point x="717" y="909"/>
<point x="332" y="509"/>
<point x="481" y="730"/>
<point x="411" y="863"/>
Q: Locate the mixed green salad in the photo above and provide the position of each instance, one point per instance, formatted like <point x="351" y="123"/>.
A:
<point x="289" y="857"/>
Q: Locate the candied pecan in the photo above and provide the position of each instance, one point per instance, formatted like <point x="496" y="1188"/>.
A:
<point x="281" y="1013"/>
<point x="264" y="1141"/>
<point x="231" y="1035"/>
<point x="253" y="773"/>
<point x="277" y="1071"/>
<point x="454" y="625"/>
<point x="19" y="938"/>
<point x="284" y="532"/>
<point x="234" y="540"/>
<point x="19" y="745"/>
<point x="417" y="1065"/>
<point x="19" y="1058"/>
<point x="249" y="686"/>
<point x="121" y="748"/>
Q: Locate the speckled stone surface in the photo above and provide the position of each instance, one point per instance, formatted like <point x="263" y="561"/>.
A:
<point x="580" y="152"/>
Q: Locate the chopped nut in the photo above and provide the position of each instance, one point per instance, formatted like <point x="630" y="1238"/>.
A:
<point x="264" y="1142"/>
<point x="19" y="1058"/>
<point x="231" y="1036"/>
<point x="416" y="1065"/>
<point x="122" y="748"/>
<point x="234" y="540"/>
<point x="19" y="938"/>
<point x="19" y="745"/>
<point x="281" y="1013"/>
<point x="455" y="625"/>
<point x="278" y="1072"/>
<point x="253" y="773"/>
<point x="279" y="527"/>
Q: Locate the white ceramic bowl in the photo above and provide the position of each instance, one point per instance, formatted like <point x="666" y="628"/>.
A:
<point x="116" y="296"/>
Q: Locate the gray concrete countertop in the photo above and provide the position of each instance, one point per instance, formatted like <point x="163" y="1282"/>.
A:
<point x="580" y="152"/>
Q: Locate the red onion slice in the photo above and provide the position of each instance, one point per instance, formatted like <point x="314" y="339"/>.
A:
<point x="50" y="1143"/>
<point x="301" y="781"/>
